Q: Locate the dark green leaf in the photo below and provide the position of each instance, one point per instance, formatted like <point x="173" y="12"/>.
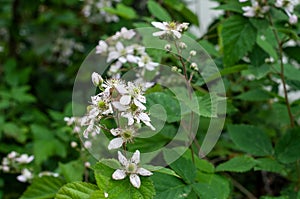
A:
<point x="43" y="188"/>
<point x="237" y="164"/>
<point x="76" y="190"/>
<point x="251" y="139"/>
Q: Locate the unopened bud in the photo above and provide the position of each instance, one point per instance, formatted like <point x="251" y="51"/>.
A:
<point x="97" y="79"/>
<point x="193" y="53"/>
<point x="182" y="45"/>
<point x="74" y="144"/>
<point x="293" y="19"/>
<point x="168" y="47"/>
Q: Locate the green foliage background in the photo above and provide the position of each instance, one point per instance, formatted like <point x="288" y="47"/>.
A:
<point x="257" y="155"/>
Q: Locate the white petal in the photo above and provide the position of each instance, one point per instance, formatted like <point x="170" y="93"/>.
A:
<point x="112" y="56"/>
<point x="131" y="58"/>
<point x="115" y="143"/>
<point x="159" y="25"/>
<point x="139" y="104"/>
<point x="121" y="89"/>
<point x="119" y="174"/>
<point x="115" y="132"/>
<point x="119" y="106"/>
<point x="141" y="98"/>
<point x="119" y="46"/>
<point x="135" y="180"/>
<point x="136" y="157"/>
<point x="21" y="178"/>
<point x="144" y="117"/>
<point x="176" y="33"/>
<point x="144" y="172"/>
<point x="125" y="99"/>
<point x="122" y="159"/>
<point x="122" y="60"/>
<point x="159" y="33"/>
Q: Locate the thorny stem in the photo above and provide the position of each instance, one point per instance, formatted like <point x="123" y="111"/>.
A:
<point x="188" y="84"/>
<point x="292" y="123"/>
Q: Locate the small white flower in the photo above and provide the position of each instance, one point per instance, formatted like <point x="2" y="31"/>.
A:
<point x="24" y="159"/>
<point x="70" y="120"/>
<point x="48" y="173"/>
<point x="102" y="47"/>
<point x="146" y="62"/>
<point x="87" y="164"/>
<point x="194" y="66"/>
<point x="12" y="155"/>
<point x="172" y="29"/>
<point x="131" y="168"/>
<point x="288" y="5"/>
<point x="255" y="10"/>
<point x="124" y="136"/>
<point x="105" y="195"/>
<point x="25" y="176"/>
<point x="168" y="47"/>
<point x="5" y="168"/>
<point x="241" y="1"/>
<point x="124" y="33"/>
<point x="122" y="54"/>
<point x="97" y="79"/>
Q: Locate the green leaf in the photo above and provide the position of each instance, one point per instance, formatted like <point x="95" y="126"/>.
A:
<point x="293" y="52"/>
<point x="43" y="188"/>
<point x="12" y="130"/>
<point x="255" y="95"/>
<point x="122" y="11"/>
<point x="76" y="190"/>
<point x="185" y="169"/>
<point x="237" y="164"/>
<point x="121" y="189"/>
<point x="209" y="47"/>
<point x="250" y="139"/>
<point x="238" y="36"/>
<point x="158" y="11"/>
<point x="72" y="171"/>
<point x="290" y="72"/>
<point x="233" y="6"/>
<point x="266" y="46"/>
<point x="169" y="187"/>
<point x="168" y="102"/>
<point x="212" y="186"/>
<point x="270" y="165"/>
<point x="288" y="147"/>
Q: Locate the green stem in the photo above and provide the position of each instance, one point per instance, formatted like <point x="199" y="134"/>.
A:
<point x="291" y="117"/>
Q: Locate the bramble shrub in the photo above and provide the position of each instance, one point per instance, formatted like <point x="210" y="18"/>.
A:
<point x="123" y="99"/>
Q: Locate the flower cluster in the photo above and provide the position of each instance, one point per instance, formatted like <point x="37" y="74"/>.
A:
<point x="64" y="48"/>
<point x="288" y="6"/>
<point x="170" y="31"/>
<point x="17" y="163"/>
<point x="257" y="9"/>
<point x="121" y="55"/>
<point x="117" y="99"/>
<point x="95" y="10"/>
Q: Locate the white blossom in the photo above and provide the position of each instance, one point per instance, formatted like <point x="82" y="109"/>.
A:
<point x="122" y="136"/>
<point x="122" y="54"/>
<point x="102" y="47"/>
<point x="293" y="19"/>
<point x="97" y="79"/>
<point x="25" y="159"/>
<point x="172" y="29"/>
<point x="25" y="176"/>
<point x="146" y="62"/>
<point x="124" y="33"/>
<point x="256" y="10"/>
<point x="131" y="169"/>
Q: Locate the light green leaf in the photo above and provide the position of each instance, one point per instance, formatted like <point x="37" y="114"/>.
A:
<point x="288" y="147"/>
<point x="122" y="11"/>
<point x="121" y="189"/>
<point x="169" y="187"/>
<point x="168" y="102"/>
<point x="266" y="46"/>
<point x="250" y="139"/>
<point x="43" y="188"/>
<point x="237" y="164"/>
<point x="72" y="171"/>
<point x="238" y="37"/>
<point x="158" y="11"/>
<point x="270" y="165"/>
<point x="255" y="95"/>
<point x="212" y="186"/>
<point x="76" y="190"/>
<point x="185" y="169"/>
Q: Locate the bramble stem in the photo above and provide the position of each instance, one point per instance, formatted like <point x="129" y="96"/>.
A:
<point x="292" y="123"/>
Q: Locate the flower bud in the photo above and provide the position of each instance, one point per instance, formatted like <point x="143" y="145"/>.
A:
<point x="182" y="45"/>
<point x="97" y="79"/>
<point x="168" y="47"/>
<point x="74" y="144"/>
<point x="293" y="19"/>
<point x="193" y="53"/>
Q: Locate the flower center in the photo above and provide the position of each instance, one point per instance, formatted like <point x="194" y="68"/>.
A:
<point x="101" y="104"/>
<point x="131" y="168"/>
<point x="172" y="25"/>
<point x="133" y="107"/>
